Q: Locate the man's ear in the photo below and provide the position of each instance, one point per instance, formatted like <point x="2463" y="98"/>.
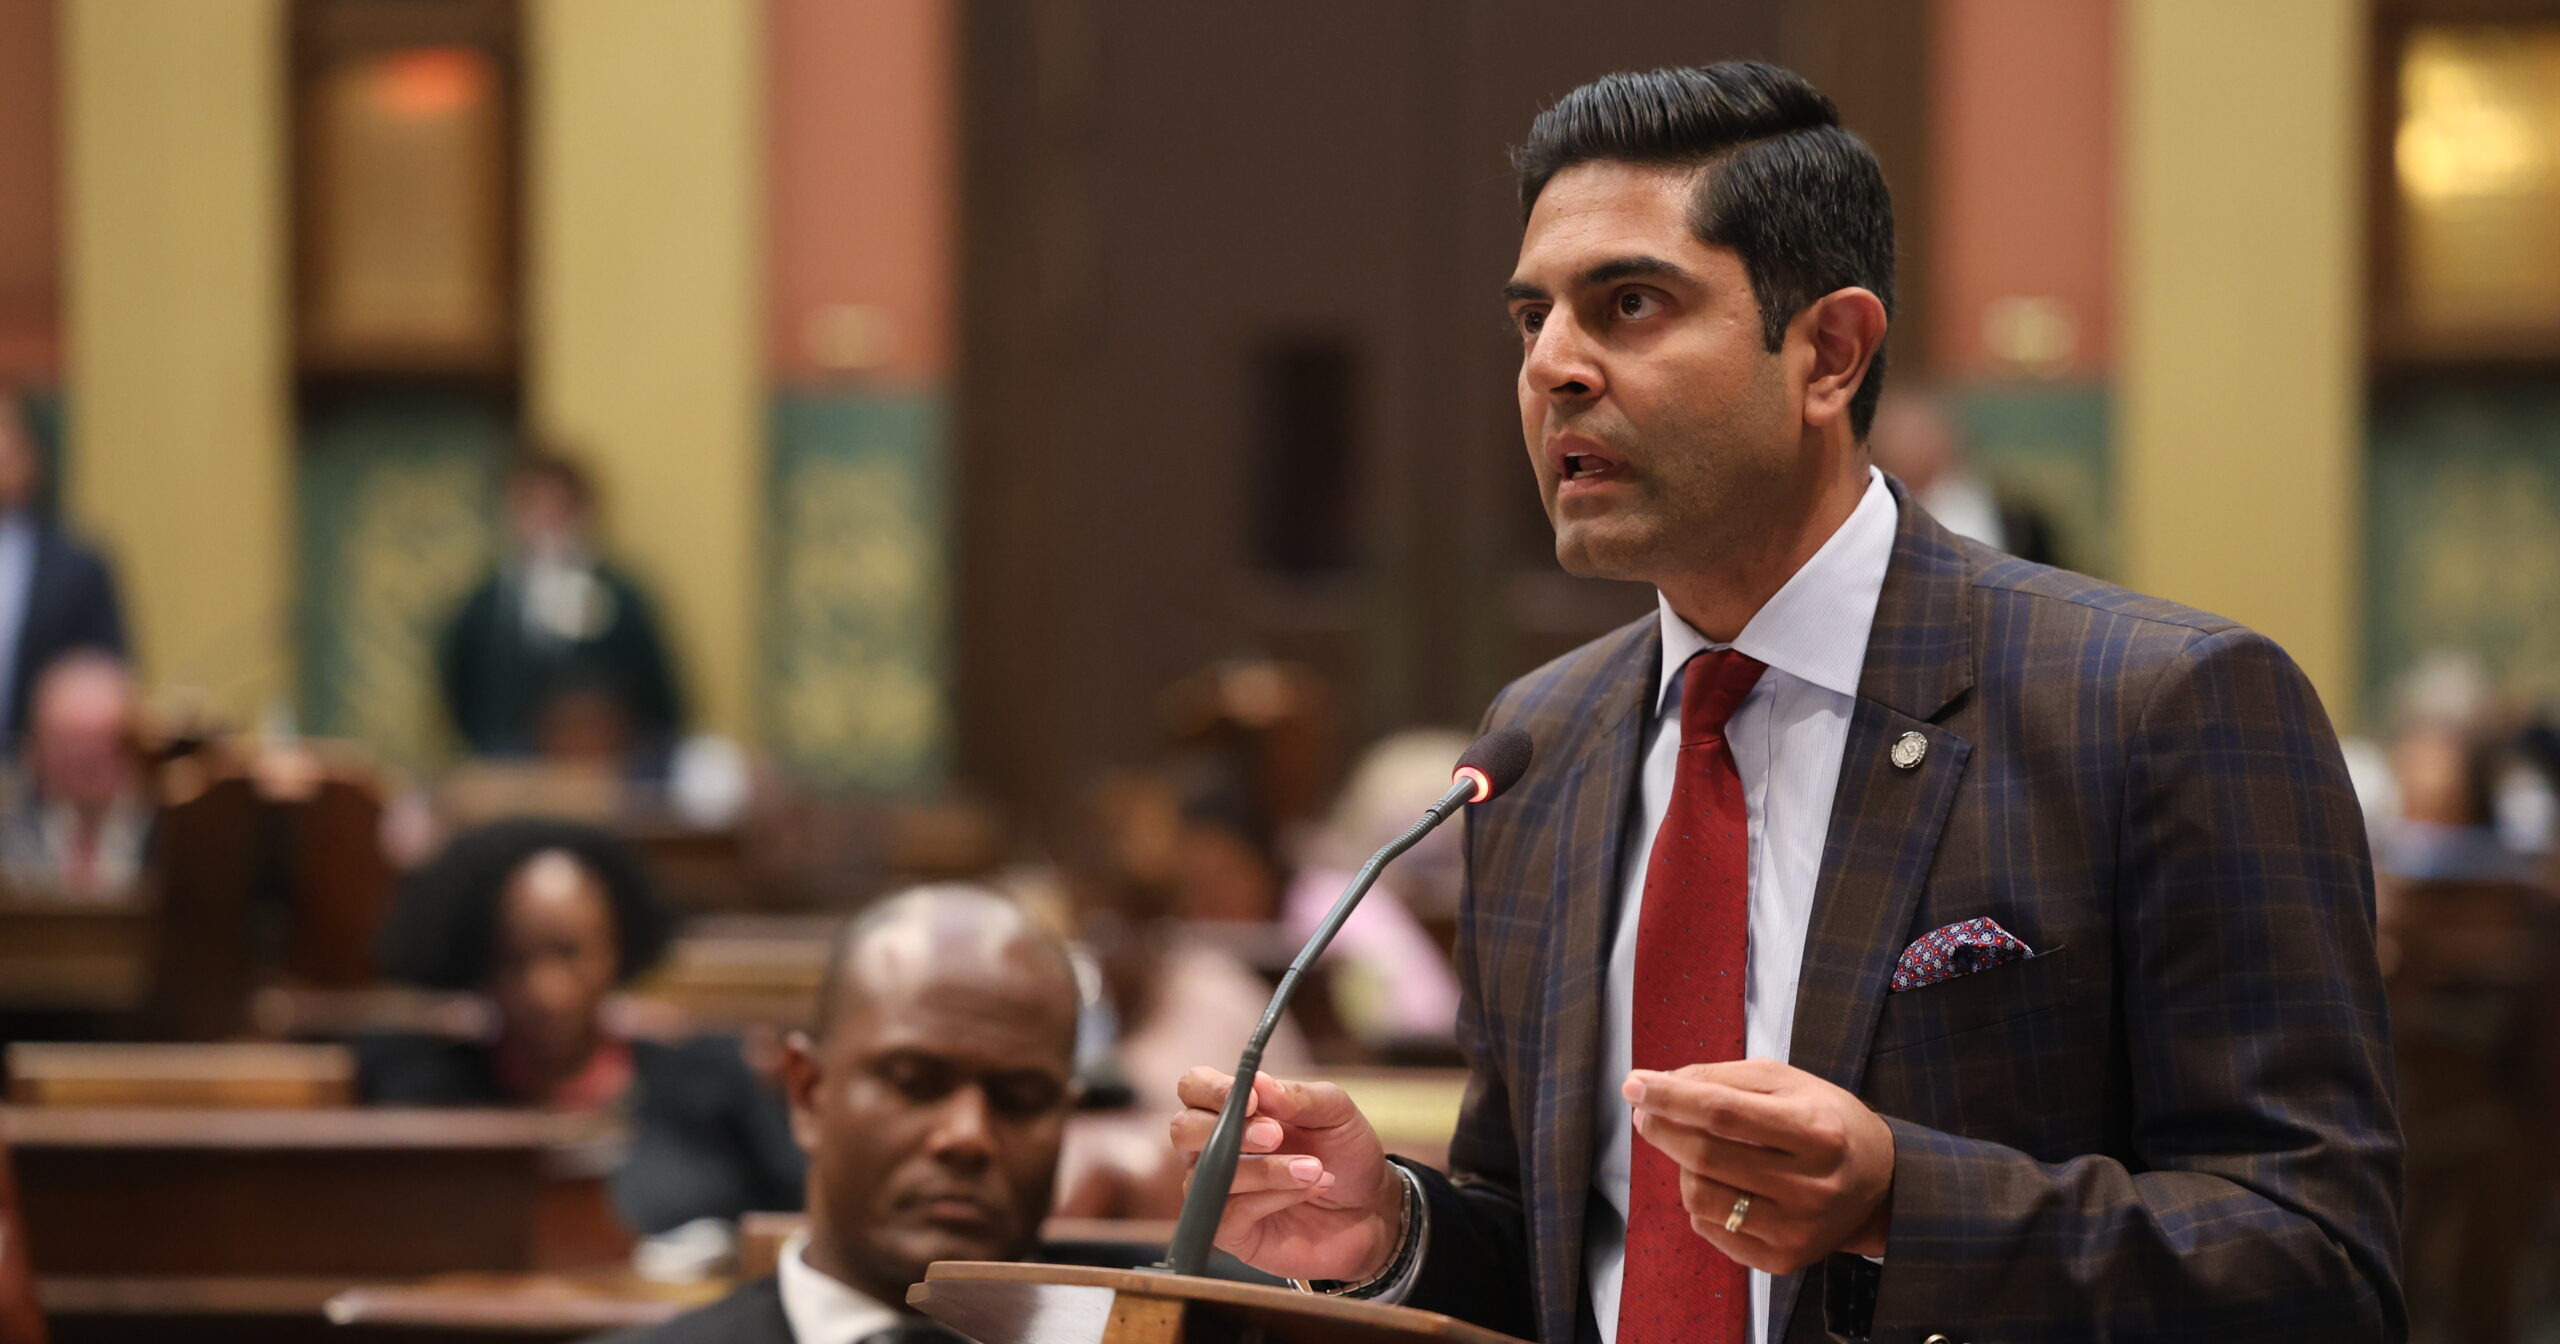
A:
<point x="1844" y="329"/>
<point x="800" y="1080"/>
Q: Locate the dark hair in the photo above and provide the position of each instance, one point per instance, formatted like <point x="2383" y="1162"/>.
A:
<point x="443" y="929"/>
<point x="554" y="467"/>
<point x="1799" y="198"/>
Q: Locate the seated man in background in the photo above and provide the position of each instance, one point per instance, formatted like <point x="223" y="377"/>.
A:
<point x="930" y="1102"/>
<point x="548" y="918"/>
<point x="76" y="825"/>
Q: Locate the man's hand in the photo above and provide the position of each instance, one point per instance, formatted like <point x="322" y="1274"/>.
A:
<point x="1313" y="1197"/>
<point x="1816" y="1162"/>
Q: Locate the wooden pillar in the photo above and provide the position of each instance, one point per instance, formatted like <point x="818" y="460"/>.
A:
<point x="2241" y="295"/>
<point x="646" y="175"/>
<point x="175" y="273"/>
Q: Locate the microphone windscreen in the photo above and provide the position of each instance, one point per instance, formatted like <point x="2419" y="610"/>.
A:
<point x="1496" y="761"/>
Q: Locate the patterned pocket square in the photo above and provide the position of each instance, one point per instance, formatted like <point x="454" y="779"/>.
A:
<point x="1957" y="949"/>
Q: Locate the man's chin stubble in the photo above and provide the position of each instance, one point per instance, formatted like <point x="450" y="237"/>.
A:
<point x="1601" y="558"/>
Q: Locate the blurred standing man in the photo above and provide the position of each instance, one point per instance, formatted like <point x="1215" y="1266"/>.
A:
<point x="556" y="631"/>
<point x="930" y="1102"/>
<point x="56" y="594"/>
<point x="1897" y="939"/>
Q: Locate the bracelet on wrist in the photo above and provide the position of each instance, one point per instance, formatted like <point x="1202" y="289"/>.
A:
<point x="1408" y="1245"/>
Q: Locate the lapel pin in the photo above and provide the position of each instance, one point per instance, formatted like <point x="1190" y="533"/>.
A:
<point x="1908" y="749"/>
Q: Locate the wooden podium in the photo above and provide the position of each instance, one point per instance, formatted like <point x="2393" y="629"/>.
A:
<point x="1065" y="1304"/>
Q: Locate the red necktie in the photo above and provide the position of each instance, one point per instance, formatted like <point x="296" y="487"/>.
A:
<point x="1692" y="940"/>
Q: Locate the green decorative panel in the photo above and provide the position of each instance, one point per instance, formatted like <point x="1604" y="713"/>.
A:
<point x="2046" y="444"/>
<point x="397" y="522"/>
<point x="858" y="582"/>
<point x="2463" y="500"/>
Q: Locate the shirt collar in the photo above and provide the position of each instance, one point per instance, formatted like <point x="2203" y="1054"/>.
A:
<point x="1815" y="628"/>
<point x="823" y="1310"/>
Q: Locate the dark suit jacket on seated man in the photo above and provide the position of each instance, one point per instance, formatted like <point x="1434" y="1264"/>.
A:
<point x="930" y="1102"/>
<point x="1955" y="946"/>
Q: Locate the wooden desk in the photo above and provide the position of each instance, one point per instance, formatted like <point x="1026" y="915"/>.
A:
<point x="343" y="1194"/>
<point x="278" y="1310"/>
<point x="737" y="971"/>
<point x="260" y="1076"/>
<point x="284" y="1309"/>
<point x="520" y="1306"/>
<point x="73" y="959"/>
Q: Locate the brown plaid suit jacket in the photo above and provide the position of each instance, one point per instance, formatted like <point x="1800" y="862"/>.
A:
<point x="2174" y="1122"/>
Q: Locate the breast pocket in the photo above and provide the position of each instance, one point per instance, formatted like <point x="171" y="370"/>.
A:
<point x="1972" y="1002"/>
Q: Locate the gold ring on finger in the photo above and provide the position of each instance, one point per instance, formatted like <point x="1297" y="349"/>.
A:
<point x="1741" y="1210"/>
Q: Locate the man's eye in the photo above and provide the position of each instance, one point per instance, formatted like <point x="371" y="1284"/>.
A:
<point x="1025" y="1097"/>
<point x="1637" y="303"/>
<point x="1531" y="320"/>
<point x="917" y="1080"/>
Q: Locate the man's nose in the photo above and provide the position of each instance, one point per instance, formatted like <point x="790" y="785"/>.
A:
<point x="1560" y="362"/>
<point x="963" y="1128"/>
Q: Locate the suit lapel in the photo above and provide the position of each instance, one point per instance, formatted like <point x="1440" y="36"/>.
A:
<point x="1593" y="811"/>
<point x="1885" y="819"/>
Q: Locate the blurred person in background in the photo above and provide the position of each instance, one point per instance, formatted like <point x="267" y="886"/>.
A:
<point x="1391" y="981"/>
<point x="2470" y="947"/>
<point x="1221" y="858"/>
<point x="2454" y="779"/>
<point x="56" y="593"/>
<point x="548" y="918"/>
<point x="1916" y="438"/>
<point x="1186" y="889"/>
<point x="556" y="648"/>
<point x="930" y="1100"/>
<point x="76" y="823"/>
<point x="2447" y="779"/>
<point x="1271" y="724"/>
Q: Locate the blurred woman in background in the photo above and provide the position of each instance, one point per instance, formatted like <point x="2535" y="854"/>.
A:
<point x="548" y="919"/>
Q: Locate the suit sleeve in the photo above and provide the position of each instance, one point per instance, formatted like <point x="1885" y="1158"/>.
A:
<point x="657" y="698"/>
<point x="457" y="659"/>
<point x="97" y="613"/>
<point x="1476" y="1266"/>
<point x="2261" y="1201"/>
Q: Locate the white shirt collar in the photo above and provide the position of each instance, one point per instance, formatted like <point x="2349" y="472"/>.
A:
<point x="1815" y="628"/>
<point x="823" y="1310"/>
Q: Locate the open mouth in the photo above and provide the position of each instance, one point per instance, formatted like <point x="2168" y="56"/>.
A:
<point x="1577" y="463"/>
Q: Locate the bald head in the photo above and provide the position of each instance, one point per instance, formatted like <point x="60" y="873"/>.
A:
<point x="79" y="724"/>
<point x="933" y="1099"/>
<point x="945" y="931"/>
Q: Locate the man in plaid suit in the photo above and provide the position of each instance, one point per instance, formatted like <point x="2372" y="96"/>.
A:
<point x="1894" y="939"/>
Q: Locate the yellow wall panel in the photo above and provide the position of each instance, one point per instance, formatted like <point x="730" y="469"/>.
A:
<point x="2240" y="352"/>
<point x="646" y="178"/>
<point x="175" y="273"/>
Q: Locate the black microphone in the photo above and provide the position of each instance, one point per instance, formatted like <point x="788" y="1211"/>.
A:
<point x="1493" y="764"/>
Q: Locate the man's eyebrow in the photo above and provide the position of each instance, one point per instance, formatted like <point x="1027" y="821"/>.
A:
<point x="1629" y="268"/>
<point x="1604" y="273"/>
